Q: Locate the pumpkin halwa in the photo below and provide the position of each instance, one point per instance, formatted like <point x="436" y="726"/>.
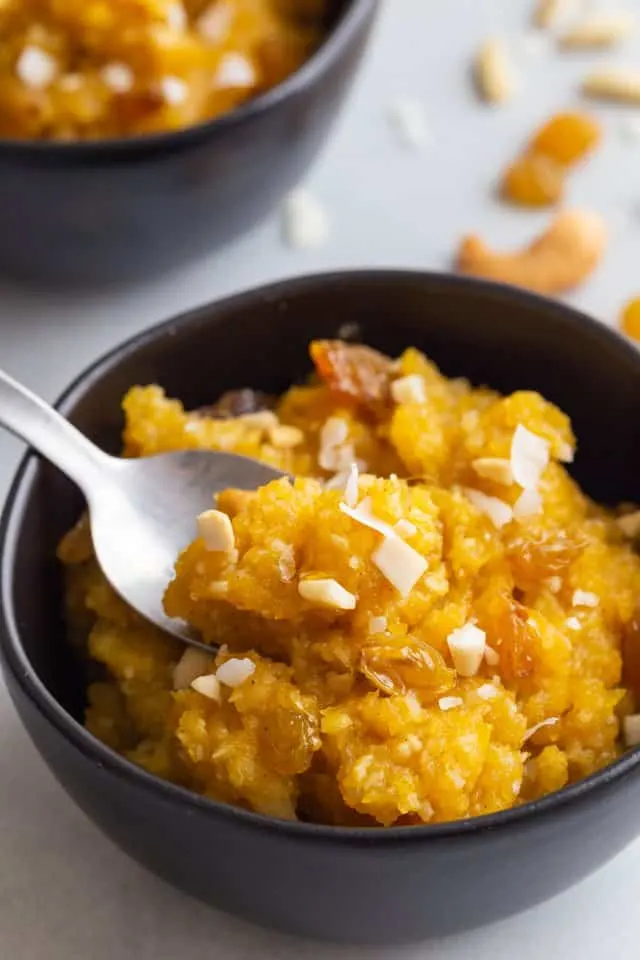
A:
<point x="89" y="69"/>
<point x="428" y="623"/>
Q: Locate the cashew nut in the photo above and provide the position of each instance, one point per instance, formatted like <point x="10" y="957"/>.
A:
<point x="560" y="259"/>
<point x="495" y="75"/>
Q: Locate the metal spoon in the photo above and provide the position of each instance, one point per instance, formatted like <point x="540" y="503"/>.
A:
<point x="142" y="511"/>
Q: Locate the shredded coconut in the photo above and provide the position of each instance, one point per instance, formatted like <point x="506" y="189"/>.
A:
<point x="36" y="68"/>
<point x="582" y="598"/>
<point x="529" y="457"/>
<point x="450" y="703"/>
<point x="499" y="512"/>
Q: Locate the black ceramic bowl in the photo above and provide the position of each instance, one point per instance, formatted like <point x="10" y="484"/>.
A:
<point x="378" y="886"/>
<point x="116" y="210"/>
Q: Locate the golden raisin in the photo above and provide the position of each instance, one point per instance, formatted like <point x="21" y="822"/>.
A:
<point x="412" y="665"/>
<point x="534" y="180"/>
<point x="631" y="656"/>
<point x="630" y="319"/>
<point x="566" y="138"/>
<point x="505" y="622"/>
<point x="358" y="373"/>
<point x="539" y="556"/>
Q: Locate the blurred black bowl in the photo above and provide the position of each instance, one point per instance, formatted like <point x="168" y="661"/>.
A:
<point x="369" y="886"/>
<point x="118" y="210"/>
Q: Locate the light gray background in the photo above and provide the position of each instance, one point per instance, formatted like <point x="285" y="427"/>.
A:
<point x="65" y="892"/>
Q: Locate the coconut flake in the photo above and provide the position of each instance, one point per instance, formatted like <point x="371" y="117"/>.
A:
<point x="572" y="623"/>
<point x="363" y="514"/>
<point x="528" y="504"/>
<point x="550" y="722"/>
<point x="487" y="691"/>
<point x="467" y="647"/>
<point x="494" y="468"/>
<point x="235" y="671"/>
<point x="499" y="512"/>
<point x="208" y="686"/>
<point x="192" y="664"/>
<point x="407" y="116"/>
<point x="529" y="457"/>
<point x="377" y="625"/>
<point x="400" y="564"/>
<point x="235" y="71"/>
<point x="36" y="68"/>
<point x="450" y="703"/>
<point x="327" y="593"/>
<point x="351" y="491"/>
<point x="305" y="221"/>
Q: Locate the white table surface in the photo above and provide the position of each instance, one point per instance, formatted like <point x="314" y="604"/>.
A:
<point x="65" y="892"/>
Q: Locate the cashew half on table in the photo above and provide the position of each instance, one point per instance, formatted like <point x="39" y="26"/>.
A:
<point x="557" y="261"/>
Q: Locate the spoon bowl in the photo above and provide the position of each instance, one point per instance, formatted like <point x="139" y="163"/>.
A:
<point x="143" y="510"/>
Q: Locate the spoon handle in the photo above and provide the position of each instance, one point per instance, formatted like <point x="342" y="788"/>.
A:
<point x="33" y="420"/>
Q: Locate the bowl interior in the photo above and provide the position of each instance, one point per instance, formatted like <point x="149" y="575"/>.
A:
<point x="492" y="335"/>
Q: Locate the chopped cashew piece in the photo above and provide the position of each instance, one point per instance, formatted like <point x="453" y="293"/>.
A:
<point x="629" y="524"/>
<point x="616" y="84"/>
<point x="598" y="30"/>
<point x="192" y="664"/>
<point x="411" y="389"/>
<point x="530" y="456"/>
<point x="216" y="530"/>
<point x="491" y="656"/>
<point x="235" y="671"/>
<point x="335" y="452"/>
<point x="377" y="625"/>
<point x="572" y="623"/>
<point x="494" y="468"/>
<point x="559" y="260"/>
<point x="305" y="221"/>
<point x="495" y="74"/>
<point x="631" y="730"/>
<point x="264" y="420"/>
<point x="327" y="593"/>
<point x="450" y="703"/>
<point x="208" y="686"/>
<point x="467" y="647"/>
<point x="285" y="437"/>
<point x="499" y="512"/>
<point x="488" y="691"/>
<point x="400" y="564"/>
<point x="36" y="68"/>
<point x="582" y="598"/>
<point x="547" y="13"/>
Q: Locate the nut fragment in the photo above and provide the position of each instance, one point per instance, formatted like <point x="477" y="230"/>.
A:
<point x="467" y="647"/>
<point x="192" y="664"/>
<point x="598" y="30"/>
<point x="499" y="513"/>
<point x="208" y="686"/>
<point x="547" y="13"/>
<point x="411" y="389"/>
<point x="285" y="437"/>
<point x="400" y="564"/>
<point x="235" y="671"/>
<point x="216" y="531"/>
<point x="495" y="75"/>
<point x="629" y="524"/>
<point x="557" y="261"/>
<point x="631" y="730"/>
<point x="494" y="468"/>
<point x="616" y="84"/>
<point x="327" y="593"/>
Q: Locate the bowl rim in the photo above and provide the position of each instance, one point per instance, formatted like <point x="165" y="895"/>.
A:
<point x="24" y="675"/>
<point x="350" y="21"/>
